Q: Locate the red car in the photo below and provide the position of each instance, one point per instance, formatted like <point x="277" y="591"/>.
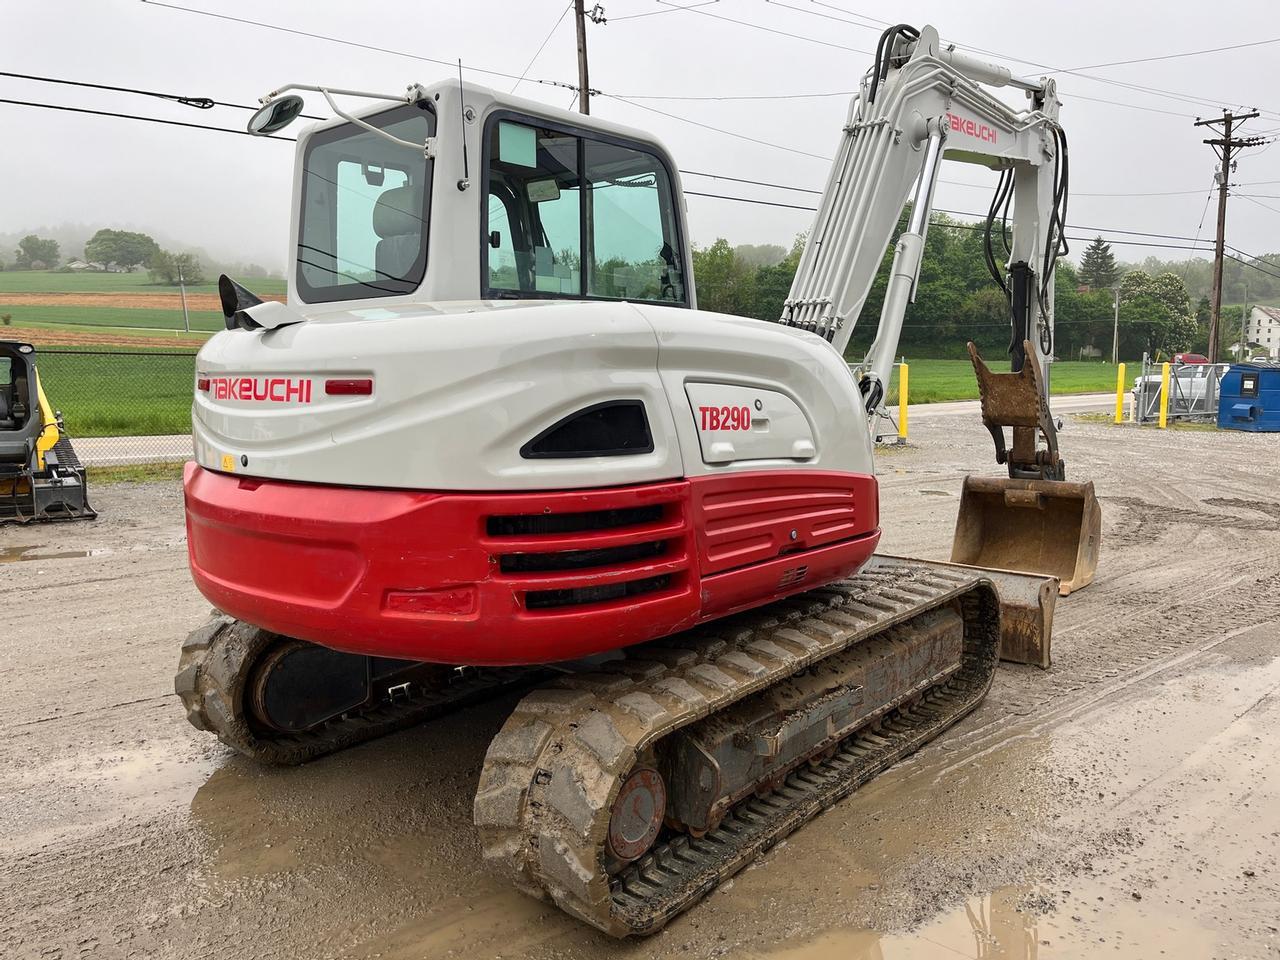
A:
<point x="1190" y="358"/>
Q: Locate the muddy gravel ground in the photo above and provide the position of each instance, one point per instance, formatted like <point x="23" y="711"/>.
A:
<point x="1124" y="803"/>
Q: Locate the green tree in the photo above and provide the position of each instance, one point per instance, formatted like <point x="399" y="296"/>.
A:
<point x="725" y="283"/>
<point x="1098" y="265"/>
<point x="34" y="253"/>
<point x="1155" y="312"/>
<point x="120" y="248"/>
<point x="773" y="282"/>
<point x="165" y="267"/>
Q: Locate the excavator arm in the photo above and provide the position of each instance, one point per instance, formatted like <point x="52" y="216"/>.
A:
<point x="923" y="102"/>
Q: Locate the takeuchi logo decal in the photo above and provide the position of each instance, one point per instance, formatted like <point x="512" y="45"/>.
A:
<point x="972" y="128"/>
<point x="269" y="389"/>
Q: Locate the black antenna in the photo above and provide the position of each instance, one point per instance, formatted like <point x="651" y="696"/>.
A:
<point x="462" y="120"/>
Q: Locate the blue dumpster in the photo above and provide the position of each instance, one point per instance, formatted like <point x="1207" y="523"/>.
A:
<point x="1249" y="397"/>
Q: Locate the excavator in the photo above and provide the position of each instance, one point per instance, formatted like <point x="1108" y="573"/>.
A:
<point x="491" y="441"/>
<point x="41" y="477"/>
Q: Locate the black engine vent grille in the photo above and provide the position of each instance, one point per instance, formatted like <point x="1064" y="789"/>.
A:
<point x="539" y="524"/>
<point x="615" y="428"/>
<point x="579" y="559"/>
<point x="579" y="596"/>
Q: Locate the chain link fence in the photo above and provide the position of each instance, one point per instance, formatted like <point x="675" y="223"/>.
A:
<point x="121" y="407"/>
<point x="1193" y="391"/>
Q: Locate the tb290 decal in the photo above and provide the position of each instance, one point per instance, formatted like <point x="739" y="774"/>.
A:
<point x="725" y="418"/>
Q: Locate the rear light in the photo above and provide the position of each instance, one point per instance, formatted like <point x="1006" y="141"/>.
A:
<point x="348" y="388"/>
<point x="202" y="384"/>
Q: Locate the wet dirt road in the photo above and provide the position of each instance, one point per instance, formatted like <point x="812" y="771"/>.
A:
<point x="1125" y="803"/>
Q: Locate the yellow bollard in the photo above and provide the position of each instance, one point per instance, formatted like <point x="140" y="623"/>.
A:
<point x="1120" y="393"/>
<point x="902" y="403"/>
<point x="1164" y="395"/>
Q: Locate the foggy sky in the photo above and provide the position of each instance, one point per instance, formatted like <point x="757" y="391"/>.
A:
<point x="230" y="194"/>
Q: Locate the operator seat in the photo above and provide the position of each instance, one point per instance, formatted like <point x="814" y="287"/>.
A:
<point x="19" y="424"/>
<point x="397" y="220"/>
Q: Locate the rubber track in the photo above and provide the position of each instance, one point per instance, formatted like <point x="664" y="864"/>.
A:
<point x="214" y="668"/>
<point x="551" y="775"/>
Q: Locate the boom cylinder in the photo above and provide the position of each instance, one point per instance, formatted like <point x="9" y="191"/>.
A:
<point x="905" y="272"/>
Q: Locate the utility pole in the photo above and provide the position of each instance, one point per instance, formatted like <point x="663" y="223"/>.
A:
<point x="584" y="88"/>
<point x="1223" y="146"/>
<point x="581" y="16"/>
<point x="1115" y="330"/>
<point x="1244" y="320"/>
<point x="182" y="289"/>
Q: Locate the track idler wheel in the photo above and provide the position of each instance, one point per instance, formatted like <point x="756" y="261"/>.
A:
<point x="637" y="816"/>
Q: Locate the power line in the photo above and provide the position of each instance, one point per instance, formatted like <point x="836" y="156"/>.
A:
<point x="758" y="183"/>
<point x="707" y="126"/>
<point x="756" y="96"/>
<point x="202" y="103"/>
<point x="757" y="26"/>
<point x="1177" y="56"/>
<point x="542" y="46"/>
<point x="1264" y="206"/>
<point x="1101" y="230"/>
<point x="763" y="203"/>
<point x="1081" y="239"/>
<point x="654" y="13"/>
<point x="1151" y="91"/>
<point x="1200" y="226"/>
<point x="134" y="116"/>
<point x="451" y="64"/>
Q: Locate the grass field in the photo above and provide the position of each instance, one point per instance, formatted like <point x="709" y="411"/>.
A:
<point x="89" y="318"/>
<point x="935" y="381"/>
<point x="121" y="395"/>
<point x="138" y="282"/>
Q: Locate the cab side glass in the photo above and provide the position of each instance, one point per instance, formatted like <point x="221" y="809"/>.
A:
<point x="573" y="216"/>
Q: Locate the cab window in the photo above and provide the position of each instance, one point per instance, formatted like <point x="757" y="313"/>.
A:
<point x="362" y="228"/>
<point x="573" y="216"/>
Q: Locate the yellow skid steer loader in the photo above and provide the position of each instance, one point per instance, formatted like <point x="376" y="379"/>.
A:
<point x="40" y="476"/>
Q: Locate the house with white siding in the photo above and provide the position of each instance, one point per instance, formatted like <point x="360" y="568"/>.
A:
<point x="1262" y="327"/>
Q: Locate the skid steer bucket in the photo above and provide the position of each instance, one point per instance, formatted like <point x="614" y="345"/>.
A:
<point x="1048" y="527"/>
<point x="1032" y="521"/>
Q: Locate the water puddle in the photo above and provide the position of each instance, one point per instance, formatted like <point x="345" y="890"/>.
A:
<point x="17" y="554"/>
<point x="59" y="796"/>
<point x="1022" y="923"/>
<point x="935" y="493"/>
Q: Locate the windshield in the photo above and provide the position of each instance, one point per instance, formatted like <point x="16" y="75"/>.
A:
<point x="365" y="202"/>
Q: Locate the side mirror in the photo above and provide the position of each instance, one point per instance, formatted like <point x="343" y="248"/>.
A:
<point x="236" y="299"/>
<point x="275" y="115"/>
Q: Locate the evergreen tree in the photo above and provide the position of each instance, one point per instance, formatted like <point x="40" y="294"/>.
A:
<point x="1098" y="265"/>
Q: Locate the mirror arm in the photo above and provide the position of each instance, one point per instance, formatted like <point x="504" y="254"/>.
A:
<point x="412" y="95"/>
<point x="428" y="147"/>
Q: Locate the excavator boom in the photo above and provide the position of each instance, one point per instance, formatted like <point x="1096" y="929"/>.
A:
<point x="923" y="102"/>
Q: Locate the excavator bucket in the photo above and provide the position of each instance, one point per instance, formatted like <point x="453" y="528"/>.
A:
<point x="1048" y="527"/>
<point x="1032" y="521"/>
